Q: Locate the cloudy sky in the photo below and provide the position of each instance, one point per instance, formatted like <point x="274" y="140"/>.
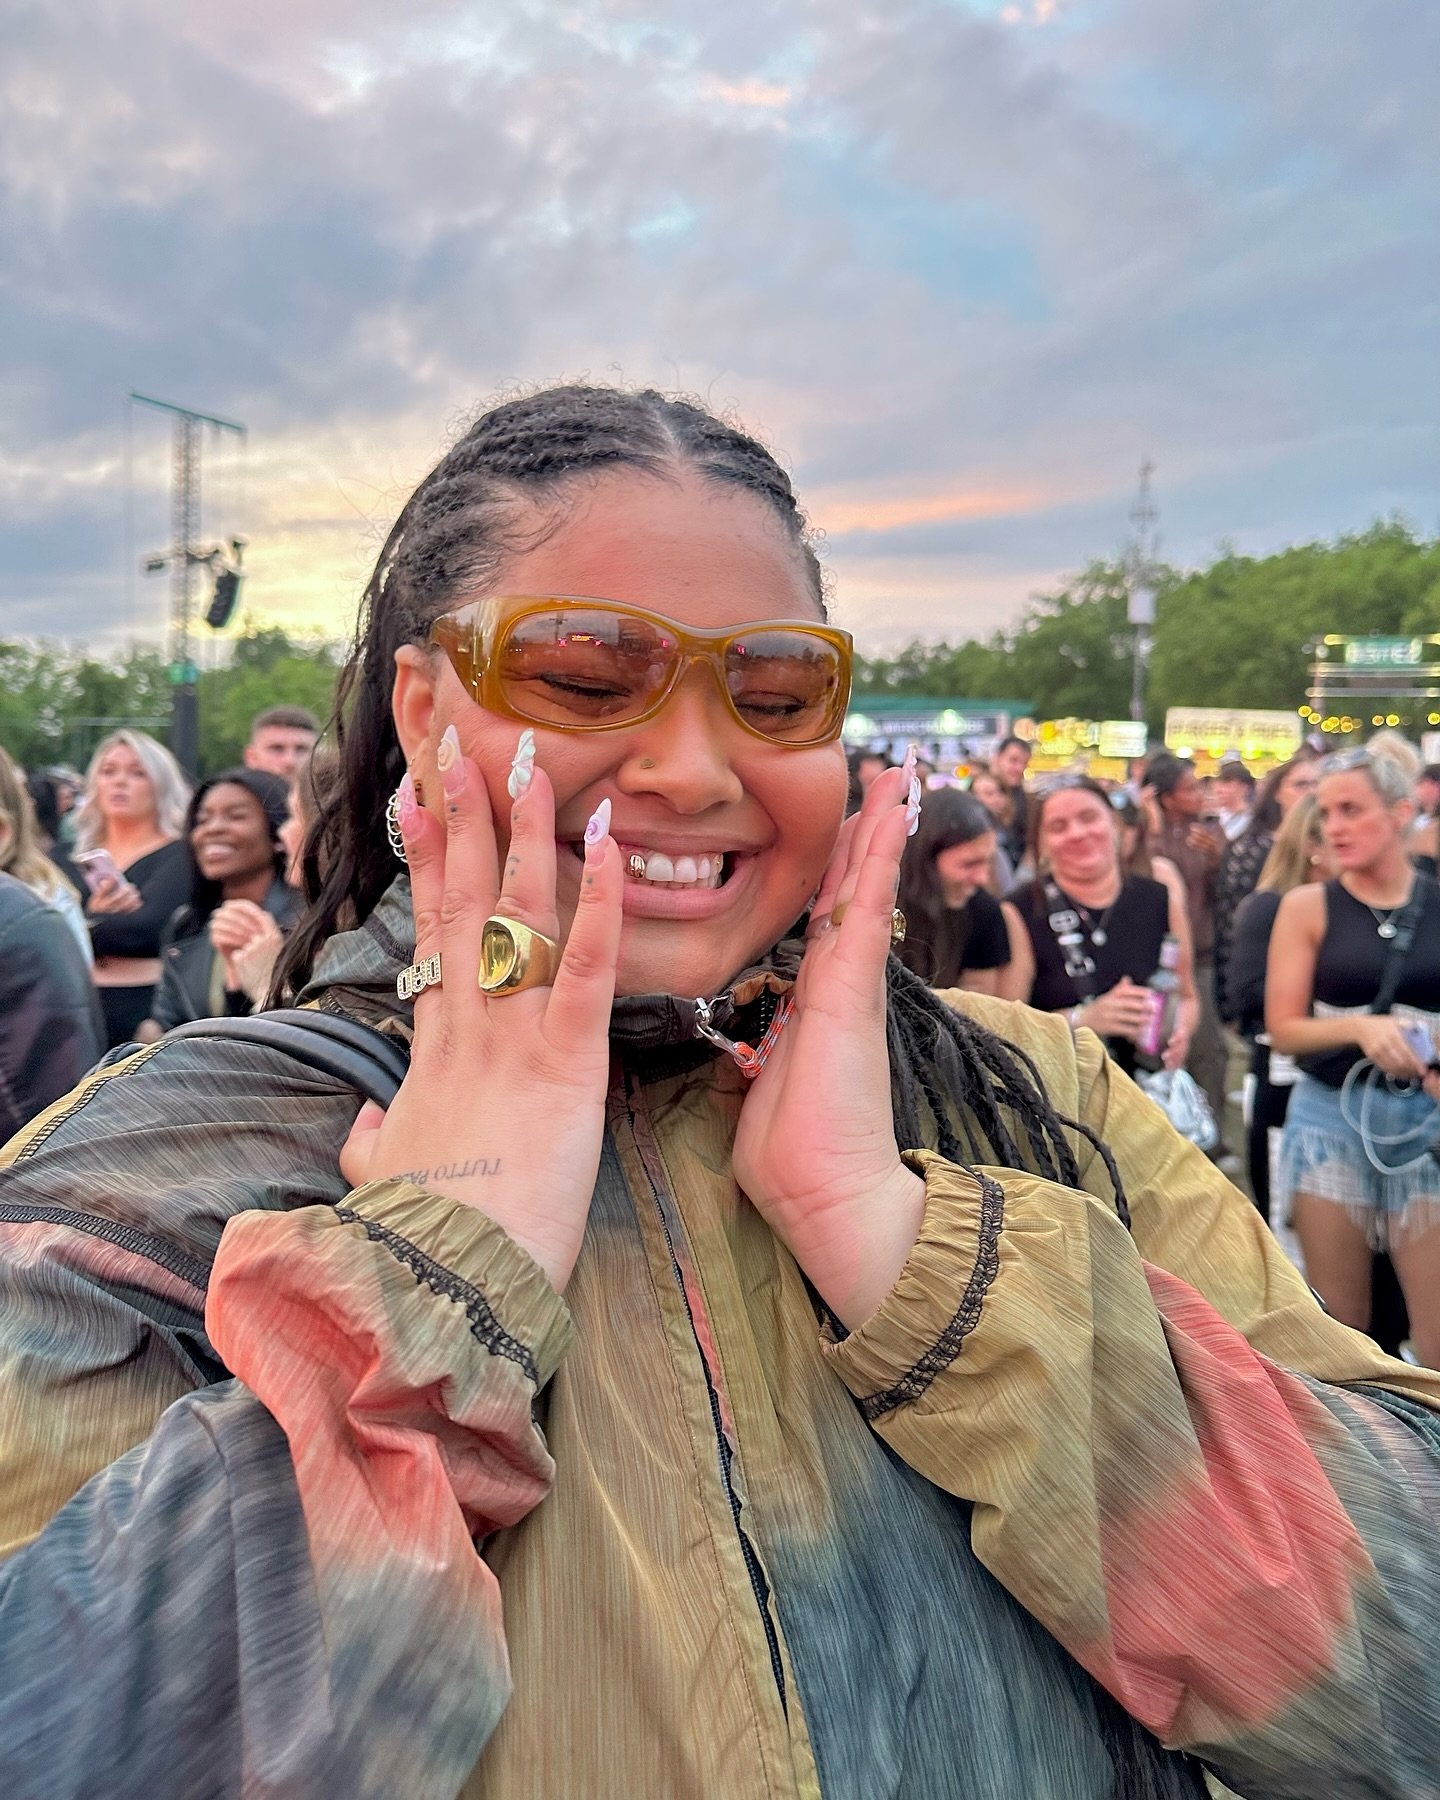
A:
<point x="963" y="263"/>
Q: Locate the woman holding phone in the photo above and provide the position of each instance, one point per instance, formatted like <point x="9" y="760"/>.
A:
<point x="130" y="848"/>
<point x="1352" y="990"/>
<point x="727" y="1367"/>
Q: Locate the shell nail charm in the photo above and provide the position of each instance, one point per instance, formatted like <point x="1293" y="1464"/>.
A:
<point x="912" y="807"/>
<point x="522" y="768"/>
<point x="450" y="762"/>
<point x="598" y="828"/>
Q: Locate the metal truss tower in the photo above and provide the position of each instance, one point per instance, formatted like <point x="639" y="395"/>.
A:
<point x="183" y="557"/>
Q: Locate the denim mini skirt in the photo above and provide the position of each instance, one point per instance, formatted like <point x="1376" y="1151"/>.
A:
<point x="1323" y="1153"/>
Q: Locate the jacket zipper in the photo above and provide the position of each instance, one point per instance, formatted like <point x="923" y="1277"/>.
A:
<point x="759" y="1587"/>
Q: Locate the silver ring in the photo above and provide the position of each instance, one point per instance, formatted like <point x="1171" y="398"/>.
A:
<point x="419" y="976"/>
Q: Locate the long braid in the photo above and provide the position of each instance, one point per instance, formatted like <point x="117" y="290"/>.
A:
<point x="933" y="1048"/>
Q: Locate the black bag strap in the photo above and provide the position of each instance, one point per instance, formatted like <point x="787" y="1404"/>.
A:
<point x="329" y="1043"/>
<point x="1065" y="922"/>
<point x="1405" y="929"/>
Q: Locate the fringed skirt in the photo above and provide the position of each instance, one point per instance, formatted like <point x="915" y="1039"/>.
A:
<point x="1322" y="1153"/>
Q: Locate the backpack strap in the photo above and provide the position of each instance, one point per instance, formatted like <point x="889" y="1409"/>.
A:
<point x="1405" y="928"/>
<point x="329" y="1043"/>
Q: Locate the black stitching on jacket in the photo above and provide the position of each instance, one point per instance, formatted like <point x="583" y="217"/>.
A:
<point x="483" y="1323"/>
<point x="913" y="1383"/>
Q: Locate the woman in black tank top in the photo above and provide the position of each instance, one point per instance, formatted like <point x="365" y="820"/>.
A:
<point x="1356" y="1159"/>
<point x="1086" y="937"/>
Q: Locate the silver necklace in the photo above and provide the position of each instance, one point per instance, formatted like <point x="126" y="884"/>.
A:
<point x="1385" y="925"/>
<point x="1095" y="928"/>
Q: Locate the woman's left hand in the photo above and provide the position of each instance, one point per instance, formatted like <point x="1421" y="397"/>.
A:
<point x="1178" y="1049"/>
<point x="815" y="1149"/>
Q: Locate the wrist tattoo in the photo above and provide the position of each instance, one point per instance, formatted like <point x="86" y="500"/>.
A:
<point x="460" y="1171"/>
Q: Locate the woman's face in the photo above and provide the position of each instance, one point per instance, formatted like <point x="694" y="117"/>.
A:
<point x="1078" y="837"/>
<point x="689" y="782"/>
<point x="292" y="839"/>
<point x="990" y="794"/>
<point x="230" y="839"/>
<point x="122" y="788"/>
<point x="1361" y="827"/>
<point x="1303" y="779"/>
<point x="965" y="868"/>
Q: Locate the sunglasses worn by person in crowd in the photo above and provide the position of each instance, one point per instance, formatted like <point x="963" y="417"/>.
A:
<point x="573" y="664"/>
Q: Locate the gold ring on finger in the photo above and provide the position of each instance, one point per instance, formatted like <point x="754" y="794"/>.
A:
<point x="898" y="923"/>
<point x="512" y="957"/>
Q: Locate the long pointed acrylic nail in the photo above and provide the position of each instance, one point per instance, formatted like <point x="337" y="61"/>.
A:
<point x="406" y="805"/>
<point x="450" y="762"/>
<point x="912" y="807"/>
<point x="911" y="763"/>
<point x="597" y="829"/>
<point x="522" y="767"/>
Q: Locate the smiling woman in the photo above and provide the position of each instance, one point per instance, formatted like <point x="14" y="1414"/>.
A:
<point x="218" y="951"/>
<point x="764" y="1318"/>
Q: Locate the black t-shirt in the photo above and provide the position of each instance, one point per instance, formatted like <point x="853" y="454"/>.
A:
<point x="972" y="936"/>
<point x="1133" y="931"/>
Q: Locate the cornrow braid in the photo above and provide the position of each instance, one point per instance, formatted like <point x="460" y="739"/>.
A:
<point x="962" y="1072"/>
<point x="450" y="538"/>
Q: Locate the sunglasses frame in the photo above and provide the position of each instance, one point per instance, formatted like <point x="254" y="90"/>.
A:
<point x="469" y="635"/>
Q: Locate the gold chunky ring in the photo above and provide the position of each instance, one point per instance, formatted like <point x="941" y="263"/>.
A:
<point x="897" y="920"/>
<point x="512" y="957"/>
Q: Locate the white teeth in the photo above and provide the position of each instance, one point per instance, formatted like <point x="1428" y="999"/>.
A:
<point x="674" y="871"/>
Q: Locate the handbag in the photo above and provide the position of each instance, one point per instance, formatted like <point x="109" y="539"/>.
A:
<point x="1332" y="1066"/>
<point x="1183" y="1101"/>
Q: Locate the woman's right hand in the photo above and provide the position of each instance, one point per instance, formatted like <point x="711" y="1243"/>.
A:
<point x="114" y="895"/>
<point x="1381" y="1040"/>
<point x="1123" y="1011"/>
<point x="503" y="1108"/>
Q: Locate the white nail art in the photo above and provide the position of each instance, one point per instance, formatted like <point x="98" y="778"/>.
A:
<point x="599" y="825"/>
<point x="522" y="768"/>
<point x="912" y="807"/>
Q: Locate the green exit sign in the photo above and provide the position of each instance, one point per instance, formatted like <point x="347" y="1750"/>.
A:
<point x="1384" y="653"/>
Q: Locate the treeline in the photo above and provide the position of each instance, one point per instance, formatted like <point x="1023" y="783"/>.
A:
<point x="57" y="703"/>
<point x="1234" y="634"/>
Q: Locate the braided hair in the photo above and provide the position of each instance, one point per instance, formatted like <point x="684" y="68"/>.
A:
<point x="982" y="1098"/>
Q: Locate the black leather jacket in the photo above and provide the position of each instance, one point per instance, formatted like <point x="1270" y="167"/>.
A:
<point x="188" y="960"/>
<point x="50" y="1030"/>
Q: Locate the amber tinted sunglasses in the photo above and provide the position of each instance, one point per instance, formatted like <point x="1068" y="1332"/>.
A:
<point x="591" y="665"/>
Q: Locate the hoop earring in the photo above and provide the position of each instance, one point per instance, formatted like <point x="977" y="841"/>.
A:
<point x="392" y="825"/>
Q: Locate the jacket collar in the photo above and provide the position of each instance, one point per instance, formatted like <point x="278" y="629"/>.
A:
<point x="355" y="974"/>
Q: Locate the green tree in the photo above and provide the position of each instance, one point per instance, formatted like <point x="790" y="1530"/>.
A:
<point x="267" y="668"/>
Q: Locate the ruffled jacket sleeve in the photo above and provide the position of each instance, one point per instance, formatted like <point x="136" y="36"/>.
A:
<point x="1221" y="1502"/>
<point x="239" y="1499"/>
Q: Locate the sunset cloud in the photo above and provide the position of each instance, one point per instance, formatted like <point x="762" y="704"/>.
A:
<point x="963" y="262"/>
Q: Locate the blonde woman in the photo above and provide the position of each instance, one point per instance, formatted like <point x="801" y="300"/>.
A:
<point x="1297" y="856"/>
<point x="22" y="857"/>
<point x="128" y="843"/>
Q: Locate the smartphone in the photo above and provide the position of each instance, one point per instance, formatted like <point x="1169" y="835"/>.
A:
<point x="97" y="866"/>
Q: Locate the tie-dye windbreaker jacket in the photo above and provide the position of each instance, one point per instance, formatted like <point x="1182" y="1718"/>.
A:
<point x="312" y="1493"/>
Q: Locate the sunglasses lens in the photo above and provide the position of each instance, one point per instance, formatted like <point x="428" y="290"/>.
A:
<point x="787" y="685"/>
<point x="574" y="667"/>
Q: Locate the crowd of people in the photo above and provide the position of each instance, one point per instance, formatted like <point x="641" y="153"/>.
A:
<point x="174" y="903"/>
<point x="1145" y="912"/>
<point x="657" y="1316"/>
